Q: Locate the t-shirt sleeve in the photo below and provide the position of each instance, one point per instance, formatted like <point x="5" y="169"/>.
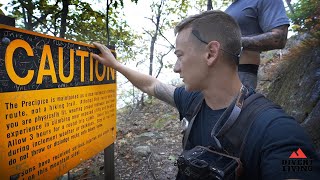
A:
<point x="272" y="14"/>
<point x="183" y="100"/>
<point x="284" y="137"/>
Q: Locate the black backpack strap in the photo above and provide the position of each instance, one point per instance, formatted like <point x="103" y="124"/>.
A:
<point x="191" y="114"/>
<point x="252" y="109"/>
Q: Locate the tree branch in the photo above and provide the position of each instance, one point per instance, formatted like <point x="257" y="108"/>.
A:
<point x="24" y="17"/>
<point x="147" y="32"/>
<point x="44" y="16"/>
<point x="30" y="14"/>
<point x="161" y="61"/>
<point x="172" y="46"/>
<point x="151" y="19"/>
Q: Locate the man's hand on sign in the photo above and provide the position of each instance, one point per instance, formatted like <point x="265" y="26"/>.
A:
<point x="106" y="57"/>
<point x="146" y="83"/>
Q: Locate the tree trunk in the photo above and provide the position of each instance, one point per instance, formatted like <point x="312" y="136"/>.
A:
<point x="64" y="16"/>
<point x="29" y="17"/>
<point x="142" y="101"/>
<point x="24" y="17"/>
<point x="27" y="13"/>
<point x="209" y="5"/>
<point x="27" y="9"/>
<point x="107" y="22"/>
<point x="290" y="6"/>
<point x="154" y="39"/>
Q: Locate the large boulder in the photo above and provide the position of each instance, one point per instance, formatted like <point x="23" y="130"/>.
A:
<point x="294" y="83"/>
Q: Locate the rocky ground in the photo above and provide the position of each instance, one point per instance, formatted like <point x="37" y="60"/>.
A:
<point x="148" y="143"/>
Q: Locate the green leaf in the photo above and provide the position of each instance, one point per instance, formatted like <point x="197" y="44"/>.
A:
<point x="172" y="158"/>
<point x="115" y="5"/>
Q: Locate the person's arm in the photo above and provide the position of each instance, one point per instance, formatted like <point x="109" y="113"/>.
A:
<point x="275" y="39"/>
<point x="274" y="24"/>
<point x="145" y="83"/>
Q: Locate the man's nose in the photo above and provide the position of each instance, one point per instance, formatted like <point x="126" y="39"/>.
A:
<point x="177" y="67"/>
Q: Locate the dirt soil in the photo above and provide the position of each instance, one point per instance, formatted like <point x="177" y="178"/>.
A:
<point x="147" y="146"/>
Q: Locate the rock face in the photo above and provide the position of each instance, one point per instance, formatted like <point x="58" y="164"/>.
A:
<point x="294" y="83"/>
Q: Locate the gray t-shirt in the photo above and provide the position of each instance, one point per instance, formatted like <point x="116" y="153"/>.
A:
<point x="258" y="16"/>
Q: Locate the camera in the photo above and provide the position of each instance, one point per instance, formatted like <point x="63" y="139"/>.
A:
<point x="204" y="163"/>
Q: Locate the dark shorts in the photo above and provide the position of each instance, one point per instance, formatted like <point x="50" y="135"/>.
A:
<point x="248" y="79"/>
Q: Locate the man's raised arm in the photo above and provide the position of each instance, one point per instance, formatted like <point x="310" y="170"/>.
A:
<point x="145" y="83"/>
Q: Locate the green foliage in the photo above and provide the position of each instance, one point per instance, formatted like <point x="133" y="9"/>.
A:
<point x="83" y="22"/>
<point x="172" y="12"/>
<point x="162" y="121"/>
<point x="116" y="3"/>
<point x="1" y="12"/>
<point x="306" y="15"/>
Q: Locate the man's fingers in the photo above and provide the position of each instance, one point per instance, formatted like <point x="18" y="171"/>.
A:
<point x="101" y="47"/>
<point x="105" y="53"/>
<point x="98" y="45"/>
<point x="97" y="57"/>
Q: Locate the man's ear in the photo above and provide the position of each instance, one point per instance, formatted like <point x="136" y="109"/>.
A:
<point x="212" y="52"/>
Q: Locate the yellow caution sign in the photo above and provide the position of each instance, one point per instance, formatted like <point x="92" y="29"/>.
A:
<point x="57" y="104"/>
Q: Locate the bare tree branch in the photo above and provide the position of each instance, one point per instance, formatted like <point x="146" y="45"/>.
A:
<point x="161" y="61"/>
<point x="139" y="62"/>
<point x="147" y="32"/>
<point x="151" y="19"/>
<point x="166" y="39"/>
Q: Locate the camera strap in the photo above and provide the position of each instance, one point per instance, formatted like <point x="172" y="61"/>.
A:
<point x="191" y="114"/>
<point x="227" y="118"/>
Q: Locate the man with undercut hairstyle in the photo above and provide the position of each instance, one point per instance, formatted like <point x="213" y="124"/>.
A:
<point x="207" y="49"/>
<point x="264" y="26"/>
